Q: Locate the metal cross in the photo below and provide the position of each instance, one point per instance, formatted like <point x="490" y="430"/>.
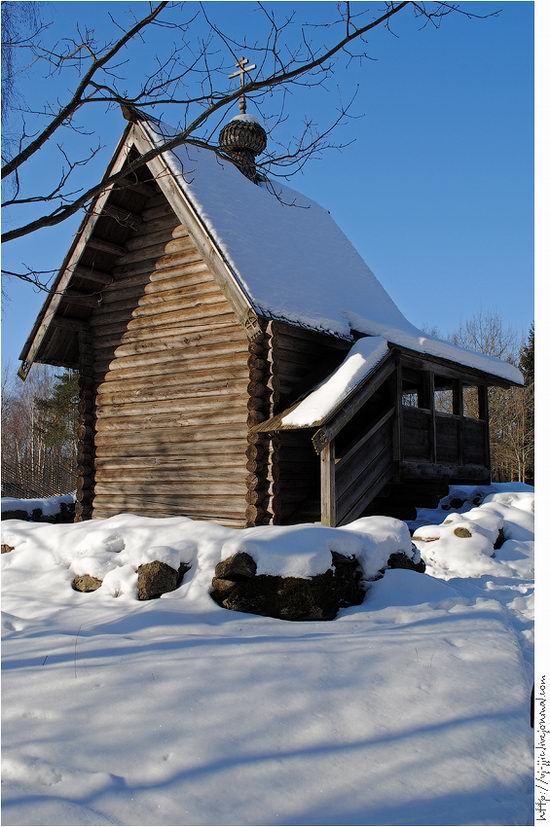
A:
<point x="243" y="68"/>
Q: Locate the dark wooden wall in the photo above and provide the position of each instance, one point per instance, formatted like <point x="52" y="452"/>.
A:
<point x="299" y="359"/>
<point x="171" y="369"/>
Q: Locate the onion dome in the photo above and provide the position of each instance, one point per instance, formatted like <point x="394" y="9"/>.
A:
<point x="243" y="138"/>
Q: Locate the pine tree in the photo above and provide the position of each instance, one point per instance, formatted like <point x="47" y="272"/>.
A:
<point x="59" y="415"/>
<point x="527" y="367"/>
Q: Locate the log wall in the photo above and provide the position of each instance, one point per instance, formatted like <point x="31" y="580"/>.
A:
<point x="172" y="369"/>
<point x="299" y="359"/>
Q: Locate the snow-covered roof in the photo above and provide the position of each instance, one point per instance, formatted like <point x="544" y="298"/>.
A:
<point x="331" y="394"/>
<point x="293" y="261"/>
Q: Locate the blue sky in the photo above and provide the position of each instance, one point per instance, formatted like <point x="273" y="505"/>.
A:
<point x="436" y="191"/>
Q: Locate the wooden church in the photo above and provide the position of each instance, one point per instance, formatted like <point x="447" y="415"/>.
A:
<point x="238" y="360"/>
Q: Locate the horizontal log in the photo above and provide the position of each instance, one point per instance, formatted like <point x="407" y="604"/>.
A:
<point x="156" y="235"/>
<point x="124" y="217"/>
<point x="198" y="349"/>
<point x="189" y="318"/>
<point x="155" y="251"/>
<point x="194" y="278"/>
<point x="128" y="308"/>
<point x="156" y="300"/>
<point x="170" y="421"/>
<point x="97" y="277"/>
<point x="177" y="490"/>
<point x="192" y="311"/>
<point x="199" y="361"/>
<point x="100" y="245"/>
<point x="134" y="475"/>
<point x="104" y="341"/>
<point x="176" y="380"/>
<point x="153" y="211"/>
<point x="215" y="503"/>
<point x="175" y="407"/>
<point x="169" y="398"/>
<point x="172" y="343"/>
<point x="163" y="437"/>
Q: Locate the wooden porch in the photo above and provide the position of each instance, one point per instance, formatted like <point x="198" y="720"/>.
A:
<point x="414" y="421"/>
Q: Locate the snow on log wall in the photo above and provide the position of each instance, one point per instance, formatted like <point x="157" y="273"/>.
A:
<point x="170" y="361"/>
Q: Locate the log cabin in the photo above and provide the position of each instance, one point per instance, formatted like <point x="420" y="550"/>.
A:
<point x="238" y="360"/>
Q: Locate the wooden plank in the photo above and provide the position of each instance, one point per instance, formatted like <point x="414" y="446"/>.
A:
<point x="328" y="485"/>
<point x="373" y="489"/>
<point x="362" y="442"/>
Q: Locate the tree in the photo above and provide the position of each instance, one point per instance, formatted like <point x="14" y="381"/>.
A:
<point x="510" y="420"/>
<point x="192" y="74"/>
<point x="39" y="421"/>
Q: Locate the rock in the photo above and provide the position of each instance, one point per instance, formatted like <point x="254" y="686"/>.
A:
<point x="399" y="560"/>
<point x="6" y="549"/>
<point x="157" y="578"/>
<point x="86" y="583"/>
<point x="500" y="540"/>
<point x="288" y="598"/>
<point x="456" y="503"/>
<point x="462" y="532"/>
<point x="236" y="567"/>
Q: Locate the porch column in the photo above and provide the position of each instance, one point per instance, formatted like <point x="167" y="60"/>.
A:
<point x="328" y="485"/>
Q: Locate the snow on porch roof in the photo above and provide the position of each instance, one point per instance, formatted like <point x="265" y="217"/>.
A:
<point x="293" y="261"/>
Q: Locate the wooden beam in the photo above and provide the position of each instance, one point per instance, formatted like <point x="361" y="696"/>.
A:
<point x="483" y="404"/>
<point x="68" y="323"/>
<point x="80" y="299"/>
<point x="458" y="410"/>
<point x="123" y="216"/>
<point x="328" y="485"/>
<point x="102" y="246"/>
<point x="370" y="384"/>
<point x="97" y="276"/>
<point x="398" y="419"/>
<point x="445" y="367"/>
<point x="430" y="391"/>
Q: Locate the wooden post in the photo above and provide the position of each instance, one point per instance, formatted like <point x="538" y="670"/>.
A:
<point x="398" y="419"/>
<point x="458" y="410"/>
<point x="431" y="403"/>
<point x="483" y="405"/>
<point x="328" y="485"/>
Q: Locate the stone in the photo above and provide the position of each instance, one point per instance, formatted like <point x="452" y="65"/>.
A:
<point x="500" y="540"/>
<point x="236" y="567"/>
<point x="86" y="583"/>
<point x="288" y="598"/>
<point x="157" y="578"/>
<point x="6" y="549"/>
<point x="462" y="532"/>
<point x="399" y="560"/>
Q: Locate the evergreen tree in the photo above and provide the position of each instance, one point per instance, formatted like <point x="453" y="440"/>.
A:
<point x="59" y="415"/>
<point x="527" y="358"/>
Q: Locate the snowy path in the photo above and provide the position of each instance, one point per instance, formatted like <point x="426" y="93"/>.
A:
<point x="119" y="713"/>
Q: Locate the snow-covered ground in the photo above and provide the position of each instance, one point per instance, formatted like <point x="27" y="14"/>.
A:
<point x="410" y="709"/>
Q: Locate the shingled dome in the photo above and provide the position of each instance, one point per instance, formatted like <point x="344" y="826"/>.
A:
<point x="244" y="138"/>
